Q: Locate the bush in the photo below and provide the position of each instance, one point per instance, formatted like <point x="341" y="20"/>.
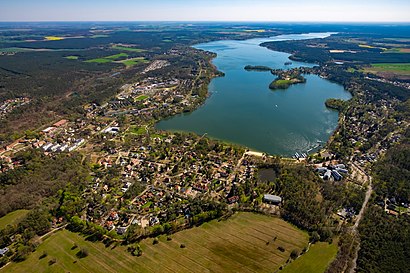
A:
<point x="52" y="261"/>
<point x="155" y="241"/>
<point x="294" y="254"/>
<point x="281" y="249"/>
<point x="82" y="253"/>
<point x="182" y="246"/>
<point x="169" y="238"/>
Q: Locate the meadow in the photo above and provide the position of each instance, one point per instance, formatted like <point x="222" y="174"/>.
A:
<point x="394" y="68"/>
<point x="316" y="260"/>
<point x="246" y="242"/>
<point x="12" y="218"/>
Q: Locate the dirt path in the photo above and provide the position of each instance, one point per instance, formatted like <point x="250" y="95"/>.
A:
<point x="367" y="179"/>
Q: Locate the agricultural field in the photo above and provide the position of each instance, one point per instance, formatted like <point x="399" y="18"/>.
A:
<point x="397" y="50"/>
<point x="316" y="260"/>
<point x="390" y="68"/>
<point x="12" y="218"/>
<point x="133" y="61"/>
<point x="108" y="59"/>
<point x="54" y="38"/>
<point x="243" y="243"/>
<point x="126" y="48"/>
<point x="71" y="57"/>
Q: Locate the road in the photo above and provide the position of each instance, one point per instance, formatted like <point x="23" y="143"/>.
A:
<point x="355" y="232"/>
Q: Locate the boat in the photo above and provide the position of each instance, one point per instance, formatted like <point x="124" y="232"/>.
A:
<point x="288" y="63"/>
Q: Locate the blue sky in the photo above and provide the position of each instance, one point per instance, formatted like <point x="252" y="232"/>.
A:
<point x="206" y="10"/>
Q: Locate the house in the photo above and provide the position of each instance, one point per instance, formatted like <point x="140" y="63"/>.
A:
<point x="60" y="123"/>
<point x="3" y="251"/>
<point x="272" y="199"/>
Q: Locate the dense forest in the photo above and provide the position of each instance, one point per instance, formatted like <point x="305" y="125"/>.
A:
<point x="385" y="242"/>
<point x="39" y="177"/>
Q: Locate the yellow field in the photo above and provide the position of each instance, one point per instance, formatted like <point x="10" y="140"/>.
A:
<point x="239" y="244"/>
<point x="53" y="38"/>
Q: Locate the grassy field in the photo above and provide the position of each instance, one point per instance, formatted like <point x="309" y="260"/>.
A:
<point x="125" y="48"/>
<point x="236" y="245"/>
<point x="137" y="130"/>
<point x="316" y="260"/>
<point x="117" y="56"/>
<point x="395" y="68"/>
<point x="12" y="218"/>
<point x="71" y="57"/>
<point x="108" y="59"/>
<point x="133" y="61"/>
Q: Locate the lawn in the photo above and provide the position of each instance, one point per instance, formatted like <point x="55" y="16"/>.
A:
<point x="316" y="260"/>
<point x="238" y="244"/>
<point x="137" y="130"/>
<point x="12" y="218"/>
<point x="395" y="68"/>
<point x="125" y="48"/>
<point x="140" y="98"/>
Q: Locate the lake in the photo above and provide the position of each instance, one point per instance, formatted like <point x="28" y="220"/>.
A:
<point x="242" y="109"/>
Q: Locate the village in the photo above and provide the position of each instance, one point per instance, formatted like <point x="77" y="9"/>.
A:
<point x="141" y="176"/>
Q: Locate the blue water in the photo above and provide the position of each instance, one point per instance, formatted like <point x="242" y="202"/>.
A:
<point x="243" y="110"/>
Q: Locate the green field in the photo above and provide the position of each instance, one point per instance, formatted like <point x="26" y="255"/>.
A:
<point x="236" y="245"/>
<point x="117" y="56"/>
<point x="132" y="49"/>
<point x="133" y="61"/>
<point x="99" y="61"/>
<point x="99" y="36"/>
<point x="71" y="57"/>
<point x="395" y="68"/>
<point x="140" y="98"/>
<point x="316" y="260"/>
<point x="12" y="218"/>
<point x="108" y="59"/>
<point x="137" y="130"/>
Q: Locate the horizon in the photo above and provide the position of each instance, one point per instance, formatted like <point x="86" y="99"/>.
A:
<point x="349" y="11"/>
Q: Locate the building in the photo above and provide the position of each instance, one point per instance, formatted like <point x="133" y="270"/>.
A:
<point x="60" y="123"/>
<point x="272" y="199"/>
<point x="3" y="251"/>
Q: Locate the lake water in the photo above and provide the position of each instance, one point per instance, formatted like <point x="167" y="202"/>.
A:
<point x="243" y="110"/>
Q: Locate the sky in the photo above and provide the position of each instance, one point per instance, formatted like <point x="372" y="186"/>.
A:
<point x="206" y="10"/>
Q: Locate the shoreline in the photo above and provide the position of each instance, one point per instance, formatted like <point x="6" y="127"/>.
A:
<point x="216" y="74"/>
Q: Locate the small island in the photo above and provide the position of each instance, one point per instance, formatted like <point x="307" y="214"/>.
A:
<point x="257" y="68"/>
<point x="286" y="78"/>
